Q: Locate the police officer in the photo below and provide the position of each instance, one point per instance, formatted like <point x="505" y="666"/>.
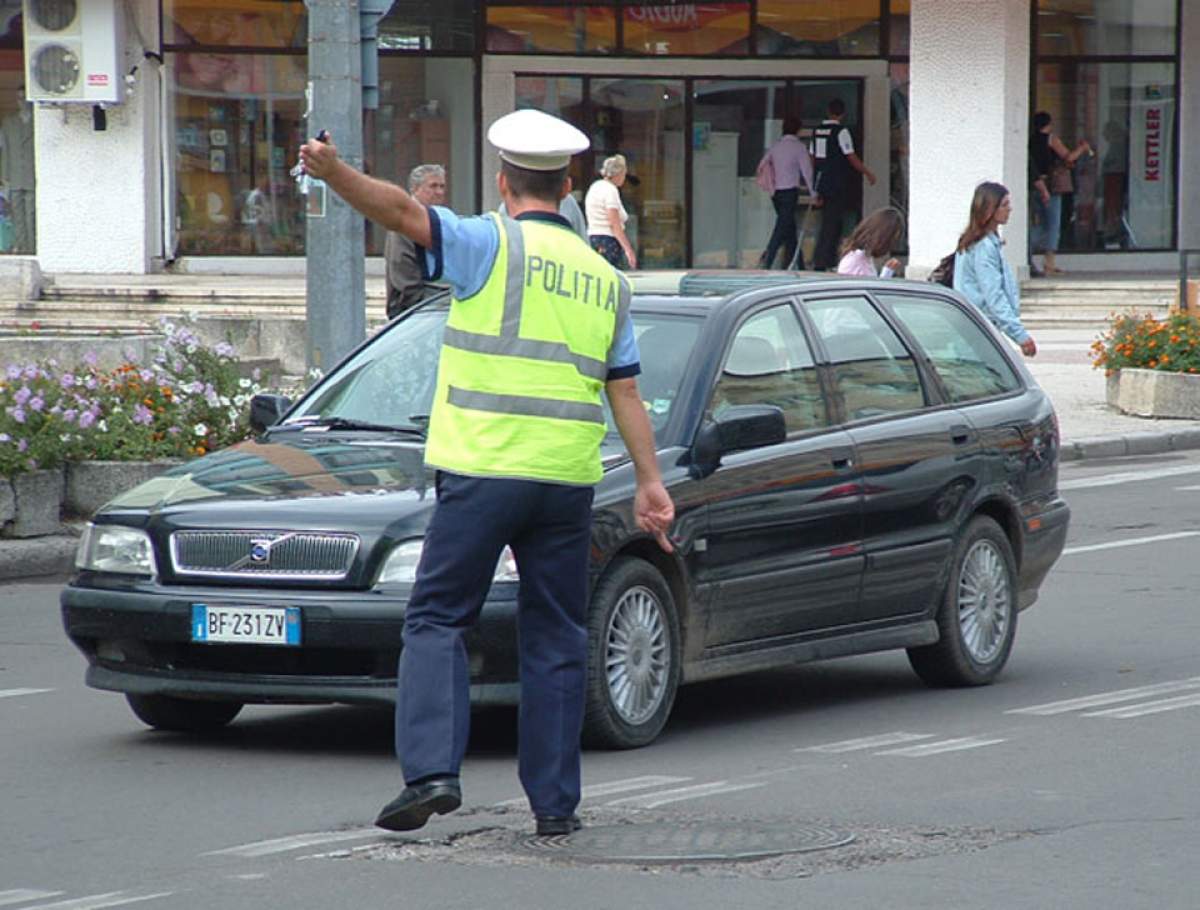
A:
<point x="836" y="161"/>
<point x="538" y="326"/>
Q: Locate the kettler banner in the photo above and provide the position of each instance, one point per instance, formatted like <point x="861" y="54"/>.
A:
<point x="1151" y="177"/>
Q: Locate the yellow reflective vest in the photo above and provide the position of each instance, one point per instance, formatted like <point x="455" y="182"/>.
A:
<point x="524" y="360"/>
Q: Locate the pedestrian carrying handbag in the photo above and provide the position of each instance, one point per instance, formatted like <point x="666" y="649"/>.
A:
<point x="764" y="175"/>
<point x="1060" y="179"/>
<point x="943" y="272"/>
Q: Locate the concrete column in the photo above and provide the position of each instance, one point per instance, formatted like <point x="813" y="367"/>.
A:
<point x="98" y="191"/>
<point x="969" y="112"/>
<point x="1189" y="127"/>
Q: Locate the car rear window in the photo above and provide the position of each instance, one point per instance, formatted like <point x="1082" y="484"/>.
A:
<point x="965" y="358"/>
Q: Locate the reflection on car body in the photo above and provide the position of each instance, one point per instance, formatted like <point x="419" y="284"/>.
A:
<point x="856" y="465"/>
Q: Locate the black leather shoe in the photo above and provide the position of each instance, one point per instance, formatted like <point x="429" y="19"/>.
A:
<point x="557" y="825"/>
<point x="412" y="808"/>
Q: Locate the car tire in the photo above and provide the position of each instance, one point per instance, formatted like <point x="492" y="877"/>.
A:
<point x="633" y="657"/>
<point x="977" y="619"/>
<point x="182" y="715"/>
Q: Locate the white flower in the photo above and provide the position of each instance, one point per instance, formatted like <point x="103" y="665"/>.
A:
<point x="200" y="429"/>
<point x="191" y="349"/>
<point x="225" y="402"/>
<point x="102" y="426"/>
<point x="244" y="383"/>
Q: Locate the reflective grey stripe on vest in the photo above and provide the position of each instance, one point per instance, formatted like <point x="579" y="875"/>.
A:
<point x="554" y="351"/>
<point x="509" y="343"/>
<point x="525" y="406"/>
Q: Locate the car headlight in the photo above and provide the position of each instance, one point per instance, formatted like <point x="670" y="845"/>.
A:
<point x="111" y="548"/>
<point x="401" y="565"/>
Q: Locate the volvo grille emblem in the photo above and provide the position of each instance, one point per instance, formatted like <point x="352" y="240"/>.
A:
<point x="260" y="550"/>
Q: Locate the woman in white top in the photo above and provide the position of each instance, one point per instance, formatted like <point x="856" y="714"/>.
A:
<point x="875" y="237"/>
<point x="606" y="215"/>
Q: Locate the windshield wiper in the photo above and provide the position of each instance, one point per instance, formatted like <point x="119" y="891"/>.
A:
<point x="349" y="423"/>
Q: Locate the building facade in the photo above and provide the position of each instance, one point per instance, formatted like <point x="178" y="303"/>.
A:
<point x="192" y="167"/>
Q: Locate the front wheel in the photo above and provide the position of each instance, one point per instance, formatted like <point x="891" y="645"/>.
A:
<point x="633" y="657"/>
<point x="978" y="615"/>
<point x="182" y="715"/>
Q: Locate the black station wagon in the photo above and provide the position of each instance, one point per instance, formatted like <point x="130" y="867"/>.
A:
<point x="857" y="465"/>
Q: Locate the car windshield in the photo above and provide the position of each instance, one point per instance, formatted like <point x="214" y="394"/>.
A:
<point x="390" y="382"/>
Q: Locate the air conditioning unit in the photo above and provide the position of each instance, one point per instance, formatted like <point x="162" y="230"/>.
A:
<point x="73" y="51"/>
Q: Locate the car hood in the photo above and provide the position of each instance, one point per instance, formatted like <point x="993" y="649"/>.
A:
<point x="305" y="472"/>
<point x="310" y="468"/>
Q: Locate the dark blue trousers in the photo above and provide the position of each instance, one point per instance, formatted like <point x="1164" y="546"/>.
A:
<point x="548" y="527"/>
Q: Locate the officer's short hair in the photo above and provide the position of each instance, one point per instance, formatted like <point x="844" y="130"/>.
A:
<point x="837" y="107"/>
<point x="422" y="172"/>
<point x="545" y="186"/>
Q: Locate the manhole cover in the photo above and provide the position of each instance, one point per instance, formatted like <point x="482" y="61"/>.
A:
<point x="689" y="842"/>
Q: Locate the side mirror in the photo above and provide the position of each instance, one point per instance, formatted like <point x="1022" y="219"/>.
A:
<point x="267" y="410"/>
<point x="748" y="426"/>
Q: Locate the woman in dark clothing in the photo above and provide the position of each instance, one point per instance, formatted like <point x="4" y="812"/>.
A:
<point x="1045" y="151"/>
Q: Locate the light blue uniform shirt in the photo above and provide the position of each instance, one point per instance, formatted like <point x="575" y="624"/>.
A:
<point x="463" y="251"/>
<point x="985" y="278"/>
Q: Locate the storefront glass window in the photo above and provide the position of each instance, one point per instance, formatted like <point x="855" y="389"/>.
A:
<point x="237" y="122"/>
<point x="1106" y="27"/>
<point x="235" y="23"/>
<point x="818" y="28"/>
<point x="1124" y="197"/>
<point x="898" y="124"/>
<point x="18" y="232"/>
<point x="557" y="28"/>
<point x="426" y="115"/>
<point x="643" y="119"/>
<point x="561" y="96"/>
<point x="733" y="123"/>
<point x="446" y="26"/>
<point x="696" y="29"/>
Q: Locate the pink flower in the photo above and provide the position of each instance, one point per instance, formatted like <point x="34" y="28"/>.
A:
<point x="67" y="380"/>
<point x="18" y="414"/>
<point x="22" y="445"/>
<point x="142" y="415"/>
<point x="21" y="395"/>
<point x="69" y="415"/>
<point x="36" y="403"/>
<point x="86" y="419"/>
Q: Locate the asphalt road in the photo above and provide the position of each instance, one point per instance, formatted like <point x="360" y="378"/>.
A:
<point x="1068" y="784"/>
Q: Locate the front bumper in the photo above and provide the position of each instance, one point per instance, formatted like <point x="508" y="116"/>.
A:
<point x="139" y="641"/>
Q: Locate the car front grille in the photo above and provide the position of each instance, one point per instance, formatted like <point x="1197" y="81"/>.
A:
<point x="315" y="555"/>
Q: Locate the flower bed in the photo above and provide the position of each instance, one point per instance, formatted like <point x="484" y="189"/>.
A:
<point x="189" y="399"/>
<point x="1152" y="365"/>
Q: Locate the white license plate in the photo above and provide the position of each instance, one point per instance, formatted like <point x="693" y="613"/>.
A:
<point x="225" y="623"/>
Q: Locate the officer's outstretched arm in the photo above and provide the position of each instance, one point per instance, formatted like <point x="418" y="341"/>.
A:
<point x="384" y="203"/>
<point x="652" y="507"/>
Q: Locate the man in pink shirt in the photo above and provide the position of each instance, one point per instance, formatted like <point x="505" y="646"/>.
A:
<point x="785" y="163"/>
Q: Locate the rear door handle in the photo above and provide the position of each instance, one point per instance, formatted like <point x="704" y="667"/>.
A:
<point x="843" y="462"/>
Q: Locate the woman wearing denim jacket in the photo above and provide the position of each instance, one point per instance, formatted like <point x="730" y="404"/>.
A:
<point x="981" y="273"/>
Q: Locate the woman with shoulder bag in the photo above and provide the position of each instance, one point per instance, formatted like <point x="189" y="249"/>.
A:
<point x="981" y="273"/>
<point x="1051" y="162"/>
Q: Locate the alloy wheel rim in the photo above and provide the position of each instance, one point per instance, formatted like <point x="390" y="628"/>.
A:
<point x="636" y="655"/>
<point x="984" y="603"/>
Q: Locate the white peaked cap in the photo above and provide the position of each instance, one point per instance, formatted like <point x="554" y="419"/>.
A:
<point x="536" y="141"/>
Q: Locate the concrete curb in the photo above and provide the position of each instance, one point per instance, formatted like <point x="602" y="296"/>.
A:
<point x="37" y="557"/>
<point x="54" y="555"/>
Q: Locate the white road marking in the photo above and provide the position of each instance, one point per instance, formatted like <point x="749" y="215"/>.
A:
<point x="22" y="895"/>
<point x="13" y="693"/>
<point x="1128" y="542"/>
<point x="1108" y="698"/>
<point x="613" y="786"/>
<point x="662" y="797"/>
<point x="296" y="842"/>
<point x="1150" y="707"/>
<point x="867" y="742"/>
<point x="98" y="901"/>
<point x="945" y="745"/>
<point x="1120" y="477"/>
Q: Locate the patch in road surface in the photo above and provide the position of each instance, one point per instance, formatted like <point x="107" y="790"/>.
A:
<point x="670" y="843"/>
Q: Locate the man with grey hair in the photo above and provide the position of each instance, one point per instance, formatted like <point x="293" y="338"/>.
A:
<point x="405" y="276"/>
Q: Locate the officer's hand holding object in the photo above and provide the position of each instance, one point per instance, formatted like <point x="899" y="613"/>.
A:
<point x="319" y="156"/>
<point x="654" y="511"/>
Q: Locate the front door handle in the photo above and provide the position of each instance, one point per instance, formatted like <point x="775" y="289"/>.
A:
<point x="843" y="463"/>
<point x="961" y="434"/>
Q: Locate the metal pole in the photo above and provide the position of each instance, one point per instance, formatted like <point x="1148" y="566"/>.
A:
<point x="334" y="247"/>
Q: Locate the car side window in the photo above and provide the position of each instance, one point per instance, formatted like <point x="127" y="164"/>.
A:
<point x="873" y="371"/>
<point x="770" y="362"/>
<point x="967" y="360"/>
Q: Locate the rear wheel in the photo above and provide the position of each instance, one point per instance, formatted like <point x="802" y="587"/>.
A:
<point x="633" y="657"/>
<point x="182" y="715"/>
<point x="978" y="615"/>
